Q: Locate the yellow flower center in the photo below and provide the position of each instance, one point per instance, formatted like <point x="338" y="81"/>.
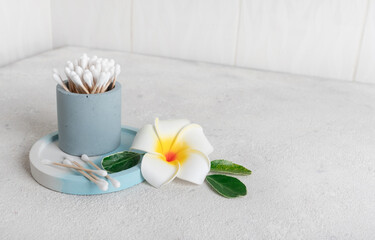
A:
<point x="172" y="151"/>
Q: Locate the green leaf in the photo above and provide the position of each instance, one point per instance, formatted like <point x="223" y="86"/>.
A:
<point x="120" y="161"/>
<point x="225" y="166"/>
<point x="229" y="187"/>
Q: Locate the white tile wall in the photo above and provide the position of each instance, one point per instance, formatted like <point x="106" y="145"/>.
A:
<point x="92" y="23"/>
<point x="25" y="29"/>
<point x="326" y="38"/>
<point x="309" y="37"/>
<point x="366" y="63"/>
<point x="203" y="30"/>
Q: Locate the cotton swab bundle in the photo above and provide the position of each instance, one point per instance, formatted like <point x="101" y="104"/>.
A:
<point x="113" y="181"/>
<point x="89" y="75"/>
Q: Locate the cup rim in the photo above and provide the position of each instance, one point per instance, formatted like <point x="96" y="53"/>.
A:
<point x="63" y="91"/>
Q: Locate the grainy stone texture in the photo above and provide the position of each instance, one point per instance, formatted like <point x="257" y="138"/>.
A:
<point x="310" y="143"/>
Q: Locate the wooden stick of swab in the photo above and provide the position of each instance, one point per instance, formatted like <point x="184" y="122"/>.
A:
<point x="102" y="185"/>
<point x="114" y="182"/>
<point x="78" y="165"/>
<point x="70" y="82"/>
<point x="102" y="173"/>
<point x="69" y="162"/>
<point x="89" y="173"/>
<point x="106" y="87"/>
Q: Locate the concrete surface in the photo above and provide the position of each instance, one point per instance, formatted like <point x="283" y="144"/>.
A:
<point x="310" y="143"/>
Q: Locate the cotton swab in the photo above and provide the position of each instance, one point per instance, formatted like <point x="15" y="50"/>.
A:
<point x="98" y="66"/>
<point x="102" y="173"/>
<point x="107" y="76"/>
<point x="103" y="78"/>
<point x="75" y="62"/>
<point x="84" y="60"/>
<point x="102" y="185"/>
<point x="114" y="182"/>
<point x="67" y="71"/>
<point x="92" y="60"/>
<point x="111" y="63"/>
<point x="77" y="81"/>
<point x="59" y="81"/>
<point x="88" y="78"/>
<point x="79" y="71"/>
<point x="68" y="161"/>
<point x="109" y="81"/>
<point x="95" y="73"/>
<point x="117" y="72"/>
<point x="70" y="65"/>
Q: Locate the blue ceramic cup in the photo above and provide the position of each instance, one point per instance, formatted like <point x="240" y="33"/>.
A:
<point x="89" y="123"/>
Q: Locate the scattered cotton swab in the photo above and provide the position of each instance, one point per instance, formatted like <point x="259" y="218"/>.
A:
<point x="113" y="181"/>
<point x="102" y="185"/>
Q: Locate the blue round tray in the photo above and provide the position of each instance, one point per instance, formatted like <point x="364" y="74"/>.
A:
<point x="70" y="181"/>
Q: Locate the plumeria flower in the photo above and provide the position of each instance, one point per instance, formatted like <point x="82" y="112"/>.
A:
<point x="174" y="148"/>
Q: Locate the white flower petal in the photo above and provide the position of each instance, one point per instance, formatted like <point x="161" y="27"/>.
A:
<point x="167" y="130"/>
<point x="192" y="137"/>
<point x="146" y="140"/>
<point x="157" y="171"/>
<point x="194" y="167"/>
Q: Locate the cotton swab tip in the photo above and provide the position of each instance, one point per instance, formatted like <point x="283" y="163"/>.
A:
<point x="85" y="158"/>
<point x="57" y="78"/>
<point x="115" y="183"/>
<point x="88" y="78"/>
<point x="70" y="65"/>
<point x="67" y="162"/>
<point x="103" y="185"/>
<point x="102" y="173"/>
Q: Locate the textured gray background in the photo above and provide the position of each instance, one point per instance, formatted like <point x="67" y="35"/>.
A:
<point x="310" y="143"/>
